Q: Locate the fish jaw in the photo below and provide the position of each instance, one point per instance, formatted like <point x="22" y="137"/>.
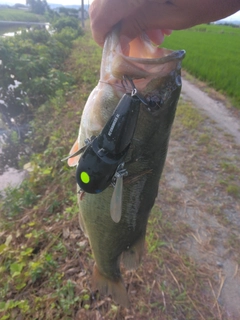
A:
<point x="156" y="75"/>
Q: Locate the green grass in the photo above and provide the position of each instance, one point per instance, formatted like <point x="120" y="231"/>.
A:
<point x="20" y="15"/>
<point x="212" y="56"/>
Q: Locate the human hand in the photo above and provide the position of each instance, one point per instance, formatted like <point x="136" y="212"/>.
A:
<point x="155" y="17"/>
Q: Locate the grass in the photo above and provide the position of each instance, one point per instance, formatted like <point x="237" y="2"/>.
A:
<point x="20" y="15"/>
<point x="38" y="219"/>
<point x="212" y="56"/>
<point x="45" y="260"/>
<point x="188" y="116"/>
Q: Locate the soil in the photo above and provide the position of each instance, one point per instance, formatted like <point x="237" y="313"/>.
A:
<point x="214" y="108"/>
<point x="197" y="178"/>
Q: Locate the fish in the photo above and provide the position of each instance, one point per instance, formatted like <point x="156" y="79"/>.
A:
<point x="115" y="219"/>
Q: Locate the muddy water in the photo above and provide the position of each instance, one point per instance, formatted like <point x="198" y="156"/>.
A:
<point x="8" y="31"/>
<point x="11" y="178"/>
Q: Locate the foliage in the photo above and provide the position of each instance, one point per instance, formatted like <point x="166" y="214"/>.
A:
<point x="66" y="35"/>
<point x="31" y="72"/>
<point x="31" y="63"/>
<point x="68" y="11"/>
<point x="212" y="56"/>
<point x="38" y="6"/>
<point x="64" y="22"/>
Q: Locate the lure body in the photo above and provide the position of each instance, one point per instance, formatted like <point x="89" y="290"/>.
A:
<point x="103" y="155"/>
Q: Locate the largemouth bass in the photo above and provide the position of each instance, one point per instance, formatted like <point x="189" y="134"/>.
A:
<point x="155" y="74"/>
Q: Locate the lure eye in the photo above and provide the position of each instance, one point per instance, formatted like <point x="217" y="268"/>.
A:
<point x="84" y="176"/>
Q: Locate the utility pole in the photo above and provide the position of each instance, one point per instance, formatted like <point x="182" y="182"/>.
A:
<point x="82" y="14"/>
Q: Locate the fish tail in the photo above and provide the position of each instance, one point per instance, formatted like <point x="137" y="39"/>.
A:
<point x="107" y="286"/>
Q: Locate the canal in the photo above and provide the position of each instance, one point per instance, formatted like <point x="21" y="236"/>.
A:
<point x="8" y="28"/>
<point x="9" y="174"/>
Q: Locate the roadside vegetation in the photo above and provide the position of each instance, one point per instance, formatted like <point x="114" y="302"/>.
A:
<point x="45" y="260"/>
<point x="31" y="73"/>
<point x="212" y="56"/>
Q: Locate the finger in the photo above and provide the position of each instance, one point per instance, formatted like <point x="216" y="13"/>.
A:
<point x="105" y="14"/>
<point x="157" y="35"/>
<point x="154" y="16"/>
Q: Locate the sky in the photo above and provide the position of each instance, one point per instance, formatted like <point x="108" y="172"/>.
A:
<point x="233" y="17"/>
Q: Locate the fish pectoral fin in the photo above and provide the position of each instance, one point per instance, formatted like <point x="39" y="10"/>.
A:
<point x="72" y="162"/>
<point x="107" y="286"/>
<point x="132" y="257"/>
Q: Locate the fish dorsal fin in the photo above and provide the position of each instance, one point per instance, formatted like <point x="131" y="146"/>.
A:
<point x="72" y="162"/>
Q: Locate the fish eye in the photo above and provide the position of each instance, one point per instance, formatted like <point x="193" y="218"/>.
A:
<point x="178" y="80"/>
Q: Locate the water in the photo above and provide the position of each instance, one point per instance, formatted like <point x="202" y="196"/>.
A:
<point x="11" y="150"/>
<point x="11" y="28"/>
<point x="10" y="175"/>
<point x="8" y="30"/>
<point x="11" y="178"/>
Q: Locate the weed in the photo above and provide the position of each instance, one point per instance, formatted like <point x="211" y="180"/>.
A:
<point x="233" y="190"/>
<point x="189" y="116"/>
<point x="18" y="199"/>
<point x="229" y="167"/>
<point x="204" y="139"/>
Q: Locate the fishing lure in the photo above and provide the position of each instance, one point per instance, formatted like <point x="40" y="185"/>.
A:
<point x="104" y="153"/>
<point x="102" y="160"/>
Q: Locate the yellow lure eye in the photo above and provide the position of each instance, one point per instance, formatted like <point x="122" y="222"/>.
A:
<point x="84" y="177"/>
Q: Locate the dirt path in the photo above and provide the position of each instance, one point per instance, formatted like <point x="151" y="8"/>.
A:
<point x="201" y="177"/>
<point x="213" y="108"/>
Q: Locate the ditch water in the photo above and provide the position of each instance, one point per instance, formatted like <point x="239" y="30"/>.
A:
<point x="9" y="28"/>
<point x="8" y="31"/>
<point x="10" y="175"/>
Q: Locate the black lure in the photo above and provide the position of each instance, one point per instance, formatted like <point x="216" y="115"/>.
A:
<point x="102" y="156"/>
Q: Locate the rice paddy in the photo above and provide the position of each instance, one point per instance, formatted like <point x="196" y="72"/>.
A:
<point x="213" y="53"/>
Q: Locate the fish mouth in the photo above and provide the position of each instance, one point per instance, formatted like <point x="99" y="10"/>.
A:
<point x="143" y="60"/>
<point x="143" y="50"/>
<point x="138" y="58"/>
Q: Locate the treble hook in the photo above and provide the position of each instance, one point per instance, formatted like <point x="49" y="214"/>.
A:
<point x="127" y="80"/>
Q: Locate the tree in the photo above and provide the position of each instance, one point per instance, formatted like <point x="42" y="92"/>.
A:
<point x="38" y="6"/>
